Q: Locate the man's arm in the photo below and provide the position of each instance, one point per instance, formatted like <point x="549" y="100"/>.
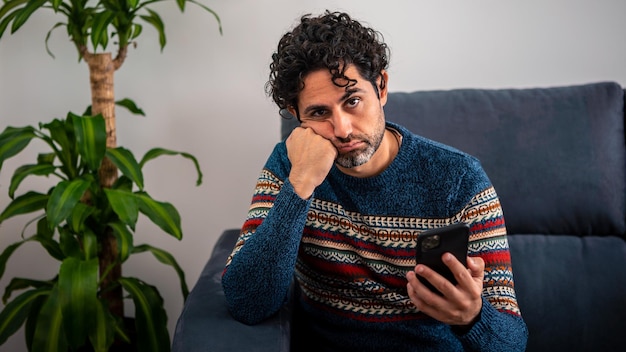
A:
<point x="259" y="272"/>
<point x="482" y="309"/>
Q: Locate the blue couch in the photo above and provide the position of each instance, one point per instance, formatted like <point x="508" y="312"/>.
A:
<point x="557" y="158"/>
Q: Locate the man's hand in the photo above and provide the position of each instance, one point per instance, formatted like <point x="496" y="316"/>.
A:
<point x="311" y="156"/>
<point x="458" y="305"/>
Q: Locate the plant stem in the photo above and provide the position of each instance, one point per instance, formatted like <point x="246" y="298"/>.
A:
<point x="101" y="77"/>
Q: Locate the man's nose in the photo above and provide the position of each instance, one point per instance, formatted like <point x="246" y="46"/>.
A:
<point x="342" y="124"/>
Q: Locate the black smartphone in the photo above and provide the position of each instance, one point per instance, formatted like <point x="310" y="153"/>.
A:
<point x="432" y="244"/>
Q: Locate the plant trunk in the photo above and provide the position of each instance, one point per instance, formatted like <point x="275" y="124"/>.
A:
<point x="101" y="77"/>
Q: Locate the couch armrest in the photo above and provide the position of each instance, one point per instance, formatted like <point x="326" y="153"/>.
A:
<point x="205" y="323"/>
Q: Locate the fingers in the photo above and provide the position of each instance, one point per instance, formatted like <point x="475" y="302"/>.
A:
<point x="421" y="296"/>
<point x="476" y="265"/>
<point x="311" y="157"/>
<point x="439" y="282"/>
<point x="458" y="304"/>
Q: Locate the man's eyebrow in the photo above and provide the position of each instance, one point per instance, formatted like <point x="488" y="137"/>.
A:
<point x="310" y="108"/>
<point x="349" y="92"/>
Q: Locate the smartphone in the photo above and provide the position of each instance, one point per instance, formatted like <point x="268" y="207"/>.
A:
<point x="432" y="244"/>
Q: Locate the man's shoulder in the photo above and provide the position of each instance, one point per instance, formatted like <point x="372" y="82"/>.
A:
<point x="431" y="152"/>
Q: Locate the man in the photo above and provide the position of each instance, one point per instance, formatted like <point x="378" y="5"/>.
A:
<point x="340" y="204"/>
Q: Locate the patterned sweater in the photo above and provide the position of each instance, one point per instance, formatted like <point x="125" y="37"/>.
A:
<point x="351" y="244"/>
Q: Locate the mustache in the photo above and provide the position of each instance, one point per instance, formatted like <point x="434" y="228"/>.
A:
<point x="344" y="140"/>
<point x="350" y="138"/>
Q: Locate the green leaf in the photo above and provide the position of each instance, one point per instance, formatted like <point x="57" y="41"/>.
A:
<point x="78" y="286"/>
<point x="26" y="170"/>
<point x="63" y="199"/>
<point x="69" y="244"/>
<point x="51" y="246"/>
<point x="6" y="254"/>
<point x="18" y="283"/>
<point x="15" y="312"/>
<point x="62" y="133"/>
<point x="27" y="203"/>
<point x="44" y="237"/>
<point x="91" y="138"/>
<point x="126" y="163"/>
<point x="155" y="20"/>
<point x="58" y="24"/>
<point x="79" y="214"/>
<point x="151" y="319"/>
<point x="56" y="4"/>
<point x="217" y="18"/>
<point x="46" y="158"/>
<point x="49" y="335"/>
<point x="25" y="13"/>
<point x="120" y="332"/>
<point x="14" y="140"/>
<point x="162" y="214"/>
<point x="137" y="29"/>
<point x="101" y="333"/>
<point x="156" y="152"/>
<point x="181" y="5"/>
<point x="123" y="183"/>
<point x="131" y="106"/>
<point x="104" y="39"/>
<point x="6" y="20"/>
<point x="124" y="239"/>
<point x="90" y="244"/>
<point x="167" y="259"/>
<point x="31" y="321"/>
<point x="99" y="28"/>
<point x="10" y="5"/>
<point x="124" y="204"/>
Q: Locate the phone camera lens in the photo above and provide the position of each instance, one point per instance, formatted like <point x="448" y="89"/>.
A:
<point x="430" y="243"/>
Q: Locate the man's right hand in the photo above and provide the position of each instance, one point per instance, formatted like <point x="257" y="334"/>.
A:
<point x="311" y="156"/>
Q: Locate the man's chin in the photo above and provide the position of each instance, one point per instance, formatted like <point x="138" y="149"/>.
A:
<point x="351" y="161"/>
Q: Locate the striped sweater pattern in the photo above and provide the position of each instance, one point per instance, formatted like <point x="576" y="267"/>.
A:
<point x="355" y="265"/>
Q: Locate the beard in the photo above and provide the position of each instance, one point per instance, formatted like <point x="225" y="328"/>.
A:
<point x="359" y="157"/>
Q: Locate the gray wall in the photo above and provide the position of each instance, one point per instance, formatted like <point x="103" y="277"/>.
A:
<point x="204" y="94"/>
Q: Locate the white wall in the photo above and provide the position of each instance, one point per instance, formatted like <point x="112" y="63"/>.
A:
<point x="204" y="94"/>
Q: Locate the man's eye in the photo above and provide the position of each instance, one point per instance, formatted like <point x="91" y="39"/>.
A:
<point x="352" y="102"/>
<point x="318" y="113"/>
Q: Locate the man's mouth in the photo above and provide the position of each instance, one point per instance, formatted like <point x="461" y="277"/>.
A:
<point x="350" y="146"/>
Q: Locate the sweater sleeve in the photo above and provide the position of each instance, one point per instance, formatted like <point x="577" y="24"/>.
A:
<point x="259" y="271"/>
<point x="495" y="331"/>
<point x="500" y="327"/>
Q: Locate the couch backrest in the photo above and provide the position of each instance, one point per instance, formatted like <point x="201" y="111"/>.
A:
<point x="556" y="156"/>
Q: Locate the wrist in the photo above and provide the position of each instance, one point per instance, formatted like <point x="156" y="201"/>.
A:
<point x="464" y="329"/>
<point x="303" y="189"/>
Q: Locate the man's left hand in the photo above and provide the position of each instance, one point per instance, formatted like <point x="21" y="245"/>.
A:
<point x="458" y="304"/>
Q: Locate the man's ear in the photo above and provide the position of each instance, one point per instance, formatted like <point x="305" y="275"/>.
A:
<point x="382" y="82"/>
<point x="294" y="112"/>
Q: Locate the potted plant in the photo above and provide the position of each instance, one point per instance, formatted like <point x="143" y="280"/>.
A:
<point x="86" y="220"/>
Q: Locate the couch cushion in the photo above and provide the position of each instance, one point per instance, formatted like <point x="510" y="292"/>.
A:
<point x="571" y="291"/>
<point x="205" y="323"/>
<point x="556" y="156"/>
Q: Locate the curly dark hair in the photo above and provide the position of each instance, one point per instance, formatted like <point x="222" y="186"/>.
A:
<point x="332" y="41"/>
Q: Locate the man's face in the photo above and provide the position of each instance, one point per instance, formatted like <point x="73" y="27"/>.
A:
<point x="352" y="119"/>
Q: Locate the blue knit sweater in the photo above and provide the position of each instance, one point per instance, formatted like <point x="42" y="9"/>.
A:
<point x="351" y="244"/>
